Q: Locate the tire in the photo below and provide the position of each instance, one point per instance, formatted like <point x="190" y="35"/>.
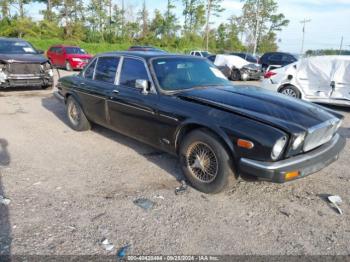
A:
<point x="76" y="117"/>
<point x="291" y="91"/>
<point x="192" y="165"/>
<point x="68" y="66"/>
<point x="235" y="75"/>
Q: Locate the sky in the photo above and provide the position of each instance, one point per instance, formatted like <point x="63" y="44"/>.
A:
<point x="330" y="20"/>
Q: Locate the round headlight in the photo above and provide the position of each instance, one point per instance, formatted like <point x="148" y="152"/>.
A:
<point x="298" y="141"/>
<point x="278" y="148"/>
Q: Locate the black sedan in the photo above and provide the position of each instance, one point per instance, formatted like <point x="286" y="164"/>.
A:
<point x="21" y="65"/>
<point x="185" y="106"/>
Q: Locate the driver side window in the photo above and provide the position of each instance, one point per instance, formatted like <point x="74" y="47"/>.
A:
<point x="132" y="70"/>
<point x="89" y="71"/>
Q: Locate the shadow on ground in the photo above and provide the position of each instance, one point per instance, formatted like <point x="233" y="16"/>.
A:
<point x="5" y="226"/>
<point x="165" y="161"/>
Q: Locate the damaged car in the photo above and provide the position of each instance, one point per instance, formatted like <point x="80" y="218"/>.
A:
<point x="185" y="106"/>
<point x="237" y="68"/>
<point x="21" y="65"/>
<point x="319" y="79"/>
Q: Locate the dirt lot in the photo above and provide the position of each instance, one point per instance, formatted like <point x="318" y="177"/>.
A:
<point x="71" y="190"/>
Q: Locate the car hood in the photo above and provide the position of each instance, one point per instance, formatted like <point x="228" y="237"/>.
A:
<point x="82" y="56"/>
<point x="288" y="114"/>
<point x="23" y="58"/>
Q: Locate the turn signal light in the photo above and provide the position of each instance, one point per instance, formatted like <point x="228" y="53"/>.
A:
<point x="291" y="175"/>
<point x="245" y="143"/>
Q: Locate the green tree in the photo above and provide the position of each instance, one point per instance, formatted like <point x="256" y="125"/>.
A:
<point x="213" y="8"/>
<point x="261" y="20"/>
<point x="143" y="17"/>
<point x="5" y="8"/>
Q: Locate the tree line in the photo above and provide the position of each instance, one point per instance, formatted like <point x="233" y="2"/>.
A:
<point x="95" y="21"/>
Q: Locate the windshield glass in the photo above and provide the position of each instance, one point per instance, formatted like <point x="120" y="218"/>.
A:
<point x="176" y="74"/>
<point x="205" y="54"/>
<point x="75" y="50"/>
<point x="16" y="47"/>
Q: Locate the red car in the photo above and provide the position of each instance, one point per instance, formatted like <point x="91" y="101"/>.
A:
<point x="68" y="57"/>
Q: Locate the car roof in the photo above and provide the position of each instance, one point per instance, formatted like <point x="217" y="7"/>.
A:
<point x="12" y="39"/>
<point x="65" y="46"/>
<point x="145" y="54"/>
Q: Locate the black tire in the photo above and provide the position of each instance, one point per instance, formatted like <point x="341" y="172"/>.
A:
<point x="68" y="66"/>
<point x="200" y="140"/>
<point x="77" y="119"/>
<point x="235" y="75"/>
<point x="291" y="91"/>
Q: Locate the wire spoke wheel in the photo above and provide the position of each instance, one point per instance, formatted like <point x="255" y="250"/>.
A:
<point x="202" y="162"/>
<point x="73" y="113"/>
<point x="289" y="92"/>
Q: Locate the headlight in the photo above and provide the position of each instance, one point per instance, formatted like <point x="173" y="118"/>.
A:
<point x="298" y="141"/>
<point x="278" y="148"/>
<point x="77" y="59"/>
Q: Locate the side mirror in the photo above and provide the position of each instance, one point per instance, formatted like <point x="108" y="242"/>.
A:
<point x="40" y="52"/>
<point x="143" y="85"/>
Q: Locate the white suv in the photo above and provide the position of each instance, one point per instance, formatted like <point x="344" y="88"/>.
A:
<point x="200" y="53"/>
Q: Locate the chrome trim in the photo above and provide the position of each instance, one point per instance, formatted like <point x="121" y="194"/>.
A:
<point x="170" y="117"/>
<point x="131" y="106"/>
<point x="291" y="161"/>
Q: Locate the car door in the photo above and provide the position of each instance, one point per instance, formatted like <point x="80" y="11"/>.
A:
<point x="132" y="111"/>
<point x="97" y="84"/>
<point x="59" y="57"/>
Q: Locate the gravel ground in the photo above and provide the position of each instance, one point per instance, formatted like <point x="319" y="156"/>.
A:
<point x="71" y="190"/>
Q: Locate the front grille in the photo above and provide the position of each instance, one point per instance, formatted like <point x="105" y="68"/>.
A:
<point x="320" y="134"/>
<point x="21" y="68"/>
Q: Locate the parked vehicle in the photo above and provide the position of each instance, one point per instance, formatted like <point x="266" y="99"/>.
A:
<point x="68" y="57"/>
<point x="276" y="59"/>
<point x="22" y="65"/>
<point x="224" y="69"/>
<point x="246" y="56"/>
<point x="200" y="53"/>
<point x="185" y="106"/>
<point x="322" y="79"/>
<point x="237" y="68"/>
<point x="146" y="49"/>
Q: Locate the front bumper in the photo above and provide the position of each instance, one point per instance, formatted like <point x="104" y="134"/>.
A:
<point x="26" y="80"/>
<point x="305" y="164"/>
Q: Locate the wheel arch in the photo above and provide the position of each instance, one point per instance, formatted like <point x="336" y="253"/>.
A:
<point x="289" y="84"/>
<point x="187" y="128"/>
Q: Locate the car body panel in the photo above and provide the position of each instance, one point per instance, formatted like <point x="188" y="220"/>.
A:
<point x="162" y="119"/>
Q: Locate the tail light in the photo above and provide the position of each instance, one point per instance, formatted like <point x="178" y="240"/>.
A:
<point x="269" y="74"/>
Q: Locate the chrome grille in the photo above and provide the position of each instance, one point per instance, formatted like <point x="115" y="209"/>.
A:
<point x="320" y="134"/>
<point x="23" y="68"/>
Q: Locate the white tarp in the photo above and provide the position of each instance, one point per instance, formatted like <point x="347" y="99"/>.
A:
<point x="230" y="61"/>
<point x="316" y="76"/>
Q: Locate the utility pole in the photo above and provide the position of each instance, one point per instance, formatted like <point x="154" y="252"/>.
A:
<point x="123" y="19"/>
<point x="256" y="28"/>
<point x="341" y="45"/>
<point x="302" y="43"/>
<point x="207" y="28"/>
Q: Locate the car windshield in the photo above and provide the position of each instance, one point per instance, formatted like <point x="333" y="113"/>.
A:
<point x="177" y="74"/>
<point x="16" y="47"/>
<point x="205" y="54"/>
<point x="75" y="50"/>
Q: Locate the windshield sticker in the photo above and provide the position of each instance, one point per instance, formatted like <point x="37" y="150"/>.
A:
<point x="217" y="73"/>
<point x="28" y="50"/>
<point x="161" y="63"/>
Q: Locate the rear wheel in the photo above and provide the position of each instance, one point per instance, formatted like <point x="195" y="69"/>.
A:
<point x="205" y="162"/>
<point x="290" y="90"/>
<point x="76" y="117"/>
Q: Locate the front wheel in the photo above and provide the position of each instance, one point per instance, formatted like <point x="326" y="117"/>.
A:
<point x="69" y="66"/>
<point x="291" y="91"/>
<point x="235" y="75"/>
<point x="76" y="117"/>
<point x="205" y="162"/>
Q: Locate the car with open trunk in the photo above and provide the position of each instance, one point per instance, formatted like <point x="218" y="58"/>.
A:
<point x="185" y="106"/>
